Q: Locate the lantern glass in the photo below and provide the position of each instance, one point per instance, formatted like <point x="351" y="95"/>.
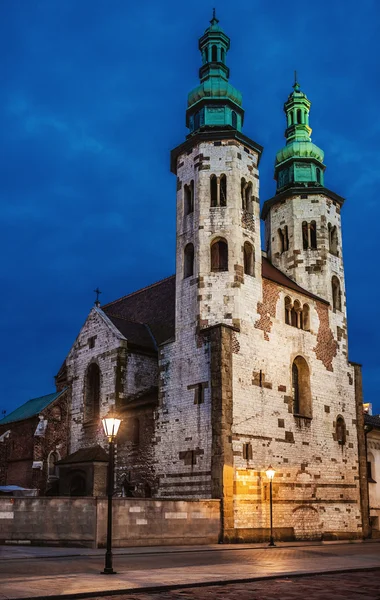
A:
<point x="270" y="473"/>
<point x="111" y="426"/>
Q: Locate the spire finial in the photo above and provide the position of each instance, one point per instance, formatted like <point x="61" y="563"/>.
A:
<point x="296" y="85"/>
<point x="214" y="18"/>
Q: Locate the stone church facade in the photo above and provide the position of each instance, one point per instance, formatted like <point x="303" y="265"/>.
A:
<point x="240" y="360"/>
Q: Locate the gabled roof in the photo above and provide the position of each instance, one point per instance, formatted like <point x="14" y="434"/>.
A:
<point x="269" y="271"/>
<point x="31" y="408"/>
<point x="92" y="454"/>
<point x="153" y="308"/>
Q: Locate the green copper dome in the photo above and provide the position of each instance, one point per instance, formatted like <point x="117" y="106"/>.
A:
<point x="215" y="103"/>
<point x="300" y="162"/>
<point x="214" y="88"/>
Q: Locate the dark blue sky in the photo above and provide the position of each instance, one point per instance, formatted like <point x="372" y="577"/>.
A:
<point x="93" y="97"/>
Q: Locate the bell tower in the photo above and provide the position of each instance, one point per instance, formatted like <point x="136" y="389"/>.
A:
<point x="218" y="230"/>
<point x="302" y="221"/>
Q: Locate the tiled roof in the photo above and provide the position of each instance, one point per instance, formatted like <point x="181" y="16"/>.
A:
<point x="92" y="454"/>
<point x="271" y="272"/>
<point x="152" y="306"/>
<point x="373" y="420"/>
<point x="147" y="317"/>
<point x="31" y="408"/>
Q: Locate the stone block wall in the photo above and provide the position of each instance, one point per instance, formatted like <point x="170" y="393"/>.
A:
<point x="83" y="521"/>
<point x="144" y="522"/>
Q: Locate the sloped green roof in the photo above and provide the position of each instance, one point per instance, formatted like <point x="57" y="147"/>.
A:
<point x="31" y="408"/>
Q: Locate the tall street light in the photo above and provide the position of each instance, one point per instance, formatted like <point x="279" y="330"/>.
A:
<point x="111" y="426"/>
<point x="270" y="472"/>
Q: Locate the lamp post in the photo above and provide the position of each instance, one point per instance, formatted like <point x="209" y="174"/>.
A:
<point x="111" y="426"/>
<point x="270" y="472"/>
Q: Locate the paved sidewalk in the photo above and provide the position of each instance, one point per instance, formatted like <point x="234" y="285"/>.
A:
<point x="154" y="568"/>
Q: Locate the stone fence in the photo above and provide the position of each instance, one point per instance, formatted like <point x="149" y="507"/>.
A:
<point x="82" y="521"/>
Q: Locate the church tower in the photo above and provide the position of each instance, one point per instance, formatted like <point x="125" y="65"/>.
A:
<point x="303" y="223"/>
<point x="218" y="227"/>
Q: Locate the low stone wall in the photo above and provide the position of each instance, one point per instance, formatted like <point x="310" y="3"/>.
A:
<point x="150" y="522"/>
<point x="65" y="521"/>
<point x="83" y="521"/>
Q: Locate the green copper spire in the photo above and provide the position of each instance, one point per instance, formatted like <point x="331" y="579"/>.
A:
<point x="215" y="103"/>
<point x="300" y="162"/>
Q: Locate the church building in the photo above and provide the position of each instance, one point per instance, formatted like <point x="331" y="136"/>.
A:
<point x="239" y="361"/>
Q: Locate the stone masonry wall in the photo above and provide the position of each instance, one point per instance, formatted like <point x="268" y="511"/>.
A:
<point x="83" y="521"/>
<point x="124" y="374"/>
<point x="316" y="486"/>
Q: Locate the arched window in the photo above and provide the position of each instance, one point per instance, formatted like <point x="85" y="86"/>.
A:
<point x="305" y="235"/>
<point x="249" y="259"/>
<point x="340" y="430"/>
<point x="288" y="310"/>
<point x="306" y="317"/>
<point x="219" y="255"/>
<point x="291" y="119"/>
<point x="298" y="311"/>
<point x="293" y="317"/>
<point x="333" y="239"/>
<point x="282" y="241"/>
<point x="92" y="393"/>
<point x="313" y="235"/>
<point x="214" y="190"/>
<point x="234" y="119"/>
<point x="223" y="190"/>
<point x="188" y="263"/>
<point x="214" y="54"/>
<point x="189" y="198"/>
<point x="53" y="458"/>
<point x="299" y="116"/>
<point x="206" y="54"/>
<point x="336" y="294"/>
<point x="301" y="387"/>
<point x="242" y="189"/>
<point x="318" y="174"/>
<point x="371" y="473"/>
<point x="197" y="120"/>
<point x="248" y="197"/>
<point x="222" y="55"/>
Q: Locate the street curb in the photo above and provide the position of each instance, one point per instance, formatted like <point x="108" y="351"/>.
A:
<point x="181" y="549"/>
<point x="178" y="586"/>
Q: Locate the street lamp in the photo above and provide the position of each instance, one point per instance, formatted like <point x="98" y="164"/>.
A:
<point x="111" y="426"/>
<point x="270" y="472"/>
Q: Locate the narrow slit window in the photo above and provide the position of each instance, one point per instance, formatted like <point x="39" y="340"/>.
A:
<point x="223" y="190"/>
<point x="214" y="190"/>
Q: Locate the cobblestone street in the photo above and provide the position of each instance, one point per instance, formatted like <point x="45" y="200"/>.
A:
<point x="363" y="585"/>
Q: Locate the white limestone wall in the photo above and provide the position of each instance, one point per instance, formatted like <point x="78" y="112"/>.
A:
<point x="298" y="263"/>
<point x="107" y="343"/>
<point x="220" y="297"/>
<point x="183" y="427"/>
<point x="316" y="486"/>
